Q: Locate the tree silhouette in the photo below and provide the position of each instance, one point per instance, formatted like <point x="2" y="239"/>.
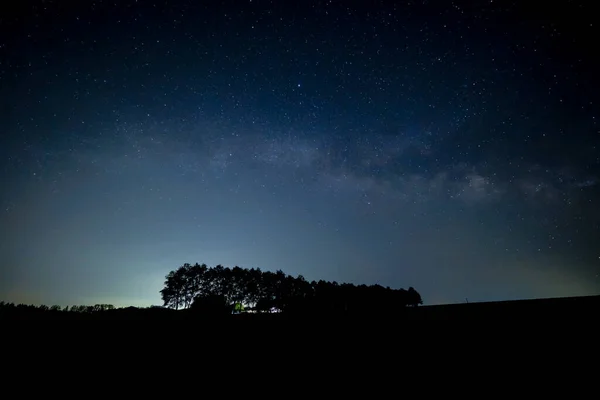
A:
<point x="29" y="310"/>
<point x="214" y="304"/>
<point x="216" y="290"/>
<point x="413" y="297"/>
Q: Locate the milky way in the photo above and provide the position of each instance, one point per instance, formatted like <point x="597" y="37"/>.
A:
<point x="453" y="149"/>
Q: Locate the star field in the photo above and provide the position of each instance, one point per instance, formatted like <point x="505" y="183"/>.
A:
<point x="453" y="148"/>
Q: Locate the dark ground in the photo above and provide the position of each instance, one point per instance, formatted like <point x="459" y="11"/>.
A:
<point x="568" y="309"/>
<point x="572" y="312"/>
<point x="444" y="339"/>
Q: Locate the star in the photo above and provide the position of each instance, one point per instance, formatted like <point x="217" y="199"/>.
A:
<point x="411" y="146"/>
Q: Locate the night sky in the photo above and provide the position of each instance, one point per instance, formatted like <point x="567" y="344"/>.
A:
<point x="442" y="145"/>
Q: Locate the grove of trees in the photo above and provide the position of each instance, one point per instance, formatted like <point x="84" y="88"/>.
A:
<point x="218" y="289"/>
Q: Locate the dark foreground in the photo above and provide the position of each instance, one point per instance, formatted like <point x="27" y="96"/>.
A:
<point x="532" y="330"/>
<point x="557" y="310"/>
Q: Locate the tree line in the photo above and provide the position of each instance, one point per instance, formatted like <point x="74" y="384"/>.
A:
<point x="4" y="306"/>
<point x="220" y="288"/>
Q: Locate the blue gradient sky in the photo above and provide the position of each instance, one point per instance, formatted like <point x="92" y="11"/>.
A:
<point x="452" y="149"/>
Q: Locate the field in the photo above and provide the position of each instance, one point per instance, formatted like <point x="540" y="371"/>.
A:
<point x="554" y="310"/>
<point x="534" y="329"/>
